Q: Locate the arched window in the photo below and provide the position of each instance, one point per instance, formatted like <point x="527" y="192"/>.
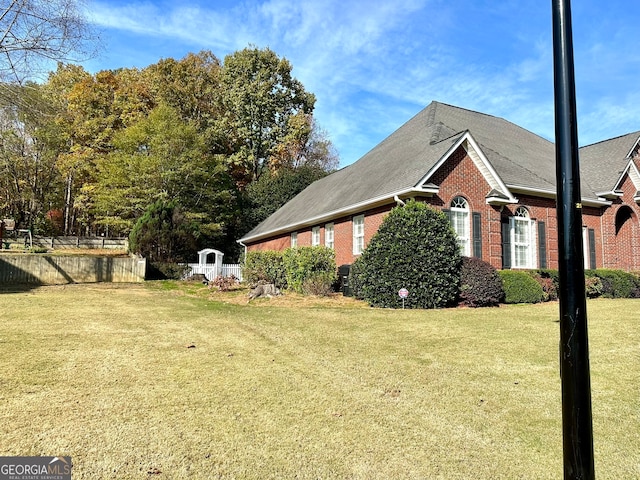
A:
<point x="461" y="224"/>
<point x="522" y="239"/>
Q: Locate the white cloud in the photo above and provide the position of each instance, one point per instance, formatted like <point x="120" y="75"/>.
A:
<point x="372" y="65"/>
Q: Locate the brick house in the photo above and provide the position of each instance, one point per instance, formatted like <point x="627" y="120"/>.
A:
<point x="495" y="180"/>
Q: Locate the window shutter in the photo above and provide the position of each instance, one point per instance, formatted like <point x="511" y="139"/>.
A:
<point x="592" y="248"/>
<point x="542" y="245"/>
<point x="506" y="242"/>
<point x="477" y="235"/>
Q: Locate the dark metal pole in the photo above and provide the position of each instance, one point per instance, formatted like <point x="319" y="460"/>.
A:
<point x="577" y="428"/>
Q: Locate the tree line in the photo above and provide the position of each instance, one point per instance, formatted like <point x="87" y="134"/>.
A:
<point x="216" y="146"/>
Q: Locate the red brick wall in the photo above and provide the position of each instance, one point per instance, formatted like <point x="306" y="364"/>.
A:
<point x="460" y="176"/>
<point x="618" y="245"/>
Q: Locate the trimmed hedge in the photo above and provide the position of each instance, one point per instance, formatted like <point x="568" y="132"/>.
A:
<point x="265" y="265"/>
<point x="618" y="284"/>
<point x="520" y="287"/>
<point x="480" y="284"/>
<point x="310" y="269"/>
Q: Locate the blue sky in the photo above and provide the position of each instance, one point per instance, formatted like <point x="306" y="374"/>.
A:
<point x="374" y="64"/>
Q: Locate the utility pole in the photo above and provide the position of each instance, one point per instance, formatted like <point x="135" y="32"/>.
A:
<point x="577" y="426"/>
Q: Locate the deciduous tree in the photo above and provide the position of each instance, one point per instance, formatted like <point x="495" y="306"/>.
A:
<point x="28" y="163"/>
<point x="259" y="97"/>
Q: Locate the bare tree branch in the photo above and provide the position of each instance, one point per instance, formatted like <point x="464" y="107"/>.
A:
<point x="33" y="33"/>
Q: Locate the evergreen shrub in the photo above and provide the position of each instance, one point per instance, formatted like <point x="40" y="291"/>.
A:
<point x="355" y="279"/>
<point x="163" y="234"/>
<point x="166" y="271"/>
<point x="520" y="287"/>
<point x="312" y="265"/>
<point x="266" y="265"/>
<point x="480" y="284"/>
<point x="320" y="284"/>
<point x="414" y="248"/>
<point x="618" y="283"/>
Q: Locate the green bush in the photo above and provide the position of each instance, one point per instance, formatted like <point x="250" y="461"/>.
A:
<point x="520" y="287"/>
<point x="166" y="271"/>
<point x="480" y="284"/>
<point x="319" y="283"/>
<point x="618" y="284"/>
<point x="301" y="264"/>
<point x="266" y="265"/>
<point x="592" y="284"/>
<point x="415" y="248"/>
<point x="163" y="234"/>
<point x="548" y="280"/>
<point x="355" y="277"/>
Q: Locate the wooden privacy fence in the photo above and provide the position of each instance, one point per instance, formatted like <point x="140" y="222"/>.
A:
<point x="56" y="270"/>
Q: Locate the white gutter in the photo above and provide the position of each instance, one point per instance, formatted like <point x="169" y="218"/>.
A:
<point x="540" y="192"/>
<point x="341" y="212"/>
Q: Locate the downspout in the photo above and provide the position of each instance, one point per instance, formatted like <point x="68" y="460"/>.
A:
<point x="398" y="201"/>
<point x="245" y="248"/>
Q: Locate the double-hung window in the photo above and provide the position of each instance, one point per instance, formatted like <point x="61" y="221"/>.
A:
<point x="294" y="239"/>
<point x="315" y="236"/>
<point x="358" y="234"/>
<point x="459" y="215"/>
<point x="328" y="235"/>
<point x="523" y="240"/>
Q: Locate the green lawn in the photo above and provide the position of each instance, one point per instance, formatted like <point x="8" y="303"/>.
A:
<point x="147" y="381"/>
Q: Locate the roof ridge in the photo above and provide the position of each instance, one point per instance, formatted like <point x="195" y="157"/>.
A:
<point x="637" y="133"/>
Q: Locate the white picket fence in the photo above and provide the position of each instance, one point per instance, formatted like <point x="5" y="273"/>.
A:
<point x="229" y="269"/>
<point x="209" y="270"/>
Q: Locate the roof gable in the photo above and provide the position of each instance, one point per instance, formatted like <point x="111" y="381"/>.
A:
<point x="498" y="191"/>
<point x="603" y="164"/>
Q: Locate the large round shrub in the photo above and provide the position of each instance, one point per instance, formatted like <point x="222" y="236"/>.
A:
<point x="415" y="248"/>
<point x="480" y="284"/>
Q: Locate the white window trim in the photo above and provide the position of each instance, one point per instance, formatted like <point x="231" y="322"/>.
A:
<point x="531" y="260"/>
<point x="585" y="248"/>
<point x="329" y="235"/>
<point x="315" y="236"/>
<point x="464" y="241"/>
<point x="294" y="239"/>
<point x="358" y="234"/>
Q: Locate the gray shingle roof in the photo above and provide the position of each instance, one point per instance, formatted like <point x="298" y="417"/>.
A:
<point x="602" y="163"/>
<point x="520" y="158"/>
